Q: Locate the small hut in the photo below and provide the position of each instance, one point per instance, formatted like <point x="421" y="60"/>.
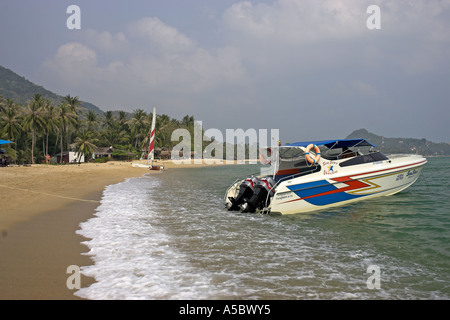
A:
<point x="102" y="152"/>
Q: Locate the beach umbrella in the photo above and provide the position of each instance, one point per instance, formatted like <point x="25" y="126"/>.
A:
<point x="5" y="141"/>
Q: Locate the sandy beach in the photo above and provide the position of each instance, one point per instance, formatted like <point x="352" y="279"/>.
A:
<point x="41" y="207"/>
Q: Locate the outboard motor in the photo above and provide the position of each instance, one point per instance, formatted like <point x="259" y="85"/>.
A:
<point x="257" y="201"/>
<point x="246" y="190"/>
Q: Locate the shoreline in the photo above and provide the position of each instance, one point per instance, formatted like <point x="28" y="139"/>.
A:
<point x="42" y="207"/>
<point x="40" y="250"/>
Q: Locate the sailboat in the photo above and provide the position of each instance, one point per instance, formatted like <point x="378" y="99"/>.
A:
<point x="151" y="149"/>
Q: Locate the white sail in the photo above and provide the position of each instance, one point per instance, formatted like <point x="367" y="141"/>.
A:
<point x="151" y="149"/>
<point x="151" y="146"/>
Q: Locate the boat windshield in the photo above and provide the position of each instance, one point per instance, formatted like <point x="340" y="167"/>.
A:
<point x="364" y="158"/>
<point x="291" y="153"/>
<point x="291" y="160"/>
<point x="291" y="163"/>
<point x="344" y="152"/>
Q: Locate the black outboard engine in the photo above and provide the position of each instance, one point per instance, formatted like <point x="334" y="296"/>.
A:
<point x="257" y="201"/>
<point x="246" y="190"/>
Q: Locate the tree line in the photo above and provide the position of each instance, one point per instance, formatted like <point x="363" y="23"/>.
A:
<point x="42" y="128"/>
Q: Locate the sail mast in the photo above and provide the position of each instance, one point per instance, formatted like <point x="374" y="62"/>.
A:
<point x="151" y="148"/>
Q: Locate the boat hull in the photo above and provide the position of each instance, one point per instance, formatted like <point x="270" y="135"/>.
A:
<point x="140" y="165"/>
<point x="375" y="180"/>
<point x="336" y="185"/>
<point x="148" y="166"/>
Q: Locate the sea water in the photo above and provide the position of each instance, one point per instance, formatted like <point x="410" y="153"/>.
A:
<point x="167" y="235"/>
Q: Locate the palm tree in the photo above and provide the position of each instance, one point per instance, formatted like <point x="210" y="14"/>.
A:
<point x="34" y="119"/>
<point x="188" y="121"/>
<point x="10" y="120"/>
<point x="162" y="122"/>
<point x="84" y="143"/>
<point x="92" y="121"/>
<point x="138" y="124"/>
<point x="50" y="122"/>
<point x="1" y="103"/>
<point x="65" y="119"/>
<point x="123" y="120"/>
<point x="73" y="104"/>
<point x="114" y="134"/>
<point x="109" y="118"/>
<point x="11" y="153"/>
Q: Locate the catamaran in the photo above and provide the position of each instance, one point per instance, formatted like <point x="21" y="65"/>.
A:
<point x="151" y="149"/>
<point x="314" y="175"/>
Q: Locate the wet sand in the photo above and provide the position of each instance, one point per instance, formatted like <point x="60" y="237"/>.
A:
<point x="37" y="253"/>
<point x="41" y="207"/>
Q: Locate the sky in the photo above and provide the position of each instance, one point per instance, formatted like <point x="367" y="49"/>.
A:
<point x="311" y="69"/>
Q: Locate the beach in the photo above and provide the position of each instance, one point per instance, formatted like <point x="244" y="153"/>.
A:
<point x="152" y="239"/>
<point x="41" y="209"/>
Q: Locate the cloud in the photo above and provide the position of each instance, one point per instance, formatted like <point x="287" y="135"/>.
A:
<point x="364" y="88"/>
<point x="149" y="58"/>
<point x="72" y="62"/>
<point x="330" y="32"/>
<point x="274" y="65"/>
<point x="263" y="41"/>
<point x="299" y="22"/>
<point x="106" y="42"/>
<point x="164" y="37"/>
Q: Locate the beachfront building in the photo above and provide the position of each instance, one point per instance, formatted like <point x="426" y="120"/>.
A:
<point x="165" y="155"/>
<point x="102" y="152"/>
<point x="113" y="154"/>
<point x="68" y="157"/>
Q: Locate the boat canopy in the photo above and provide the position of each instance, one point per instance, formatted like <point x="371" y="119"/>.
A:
<point x="334" y="144"/>
<point x="5" y="141"/>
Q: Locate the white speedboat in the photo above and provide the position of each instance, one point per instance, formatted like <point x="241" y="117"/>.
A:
<point x="314" y="175"/>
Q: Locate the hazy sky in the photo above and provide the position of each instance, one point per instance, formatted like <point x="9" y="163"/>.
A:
<point x="312" y="69"/>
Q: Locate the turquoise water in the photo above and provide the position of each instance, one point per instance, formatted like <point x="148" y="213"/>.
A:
<point x="168" y="236"/>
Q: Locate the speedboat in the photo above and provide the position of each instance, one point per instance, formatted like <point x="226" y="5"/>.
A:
<point x="314" y="175"/>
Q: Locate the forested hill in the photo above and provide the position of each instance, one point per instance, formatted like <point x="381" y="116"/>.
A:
<point x="16" y="87"/>
<point x="39" y="122"/>
<point x="402" y="145"/>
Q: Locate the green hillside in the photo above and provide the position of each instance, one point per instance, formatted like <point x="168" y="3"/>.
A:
<point x="21" y="90"/>
<point x="402" y="145"/>
<point x="38" y="127"/>
<point x="40" y="122"/>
